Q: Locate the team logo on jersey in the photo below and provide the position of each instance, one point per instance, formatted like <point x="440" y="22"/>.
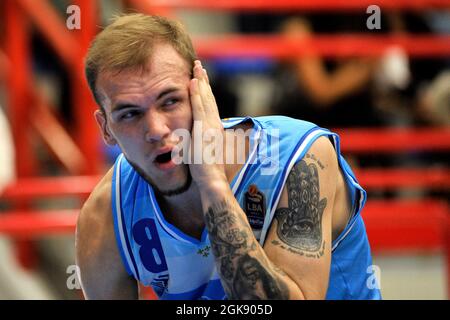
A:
<point x="255" y="207"/>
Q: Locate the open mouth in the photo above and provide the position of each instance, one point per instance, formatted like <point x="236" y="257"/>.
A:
<point x="164" y="158"/>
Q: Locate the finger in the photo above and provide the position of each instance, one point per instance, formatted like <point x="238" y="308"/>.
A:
<point x="196" y="100"/>
<point x="205" y="88"/>
<point x="198" y="70"/>
<point x="206" y="94"/>
<point x="206" y="75"/>
<point x="208" y="99"/>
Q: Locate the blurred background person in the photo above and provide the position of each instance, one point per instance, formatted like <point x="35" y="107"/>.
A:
<point x="331" y="93"/>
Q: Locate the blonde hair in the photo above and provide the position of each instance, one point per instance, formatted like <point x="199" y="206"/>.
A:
<point x="127" y="43"/>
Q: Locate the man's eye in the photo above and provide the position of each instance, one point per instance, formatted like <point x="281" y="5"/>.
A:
<point x="129" y="115"/>
<point x="170" y="102"/>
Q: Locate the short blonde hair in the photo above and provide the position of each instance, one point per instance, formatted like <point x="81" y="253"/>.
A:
<point x="127" y="43"/>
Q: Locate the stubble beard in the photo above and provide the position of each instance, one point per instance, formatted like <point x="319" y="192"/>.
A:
<point x="160" y="192"/>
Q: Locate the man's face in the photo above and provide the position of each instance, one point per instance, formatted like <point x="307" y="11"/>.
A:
<point x="142" y="110"/>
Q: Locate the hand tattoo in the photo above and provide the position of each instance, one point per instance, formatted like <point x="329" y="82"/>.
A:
<point x="300" y="225"/>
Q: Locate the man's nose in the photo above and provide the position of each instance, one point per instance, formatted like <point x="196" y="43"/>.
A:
<point x="156" y="127"/>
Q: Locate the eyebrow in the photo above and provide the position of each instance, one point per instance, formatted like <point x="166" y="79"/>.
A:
<point x="120" y="106"/>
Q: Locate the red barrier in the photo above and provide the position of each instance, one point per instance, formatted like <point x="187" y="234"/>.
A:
<point x="402" y="227"/>
<point x="30" y="225"/>
<point x="338" y="46"/>
<point x="49" y="22"/>
<point x="23" y="96"/>
<point x="406" y="225"/>
<point x="33" y="188"/>
<point x="17" y="50"/>
<point x="427" y="178"/>
<point x="4" y="66"/>
<point x="392" y="140"/>
<point x="288" y="5"/>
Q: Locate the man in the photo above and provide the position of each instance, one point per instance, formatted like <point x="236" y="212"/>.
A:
<point x="282" y="224"/>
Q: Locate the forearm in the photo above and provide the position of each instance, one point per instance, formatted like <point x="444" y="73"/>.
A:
<point x="326" y="88"/>
<point x="244" y="269"/>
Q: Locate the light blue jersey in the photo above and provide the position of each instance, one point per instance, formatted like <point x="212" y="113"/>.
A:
<point x="178" y="266"/>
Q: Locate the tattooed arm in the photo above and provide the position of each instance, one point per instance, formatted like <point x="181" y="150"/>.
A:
<point x="248" y="271"/>
<point x="295" y="261"/>
<point x="300" y="236"/>
<point x="244" y="269"/>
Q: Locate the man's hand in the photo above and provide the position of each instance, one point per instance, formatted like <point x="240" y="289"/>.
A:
<point x="207" y="132"/>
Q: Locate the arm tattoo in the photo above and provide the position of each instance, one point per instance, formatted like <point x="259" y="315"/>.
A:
<point x="300" y="225"/>
<point x="243" y="275"/>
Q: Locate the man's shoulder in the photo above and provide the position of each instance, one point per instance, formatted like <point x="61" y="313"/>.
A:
<point x="97" y="207"/>
<point x="97" y="255"/>
<point x="286" y="128"/>
<point x="283" y="121"/>
<point x="323" y="145"/>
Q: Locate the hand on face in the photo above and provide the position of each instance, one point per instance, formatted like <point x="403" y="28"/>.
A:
<point x="208" y="128"/>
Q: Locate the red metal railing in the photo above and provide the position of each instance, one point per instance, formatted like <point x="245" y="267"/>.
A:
<point x="83" y="155"/>
<point x="332" y="46"/>
<point x="286" y="5"/>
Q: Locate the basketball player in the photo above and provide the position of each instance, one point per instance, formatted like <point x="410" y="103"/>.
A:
<point x="284" y="223"/>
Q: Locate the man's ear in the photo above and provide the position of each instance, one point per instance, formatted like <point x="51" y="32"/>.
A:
<point x="102" y="124"/>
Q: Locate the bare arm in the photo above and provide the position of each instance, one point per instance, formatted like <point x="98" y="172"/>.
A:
<point x="301" y="233"/>
<point x="325" y="87"/>
<point x="246" y="270"/>
<point x="102" y="273"/>
<point x="295" y="261"/>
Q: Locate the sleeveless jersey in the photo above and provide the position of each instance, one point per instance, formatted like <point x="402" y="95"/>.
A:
<point x="178" y="266"/>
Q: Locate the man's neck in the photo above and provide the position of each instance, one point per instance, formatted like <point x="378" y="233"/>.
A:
<point x="184" y="211"/>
